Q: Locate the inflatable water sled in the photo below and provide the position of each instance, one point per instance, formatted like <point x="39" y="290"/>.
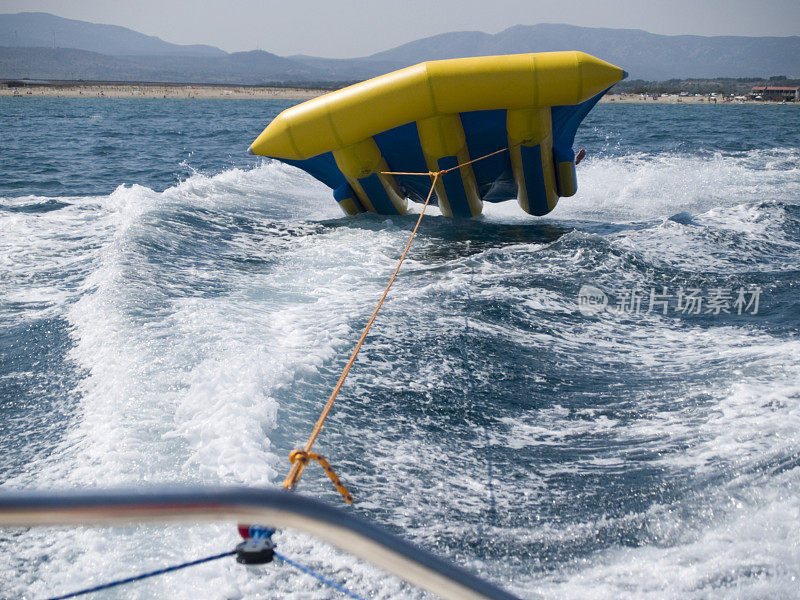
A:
<point x="441" y="114"/>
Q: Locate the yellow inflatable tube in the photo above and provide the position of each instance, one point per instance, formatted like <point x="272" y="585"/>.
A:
<point x="347" y="116"/>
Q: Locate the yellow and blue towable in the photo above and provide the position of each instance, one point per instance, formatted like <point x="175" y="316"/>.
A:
<point x="438" y="115"/>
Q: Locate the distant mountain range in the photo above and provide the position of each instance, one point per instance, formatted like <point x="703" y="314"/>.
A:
<point x="43" y="30"/>
<point x="44" y="46"/>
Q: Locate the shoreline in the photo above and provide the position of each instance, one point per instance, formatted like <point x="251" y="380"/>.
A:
<point x="157" y="90"/>
<point x="676" y="99"/>
<point x="252" y="92"/>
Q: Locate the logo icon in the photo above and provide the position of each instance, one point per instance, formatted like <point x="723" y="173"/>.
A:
<point x="591" y="300"/>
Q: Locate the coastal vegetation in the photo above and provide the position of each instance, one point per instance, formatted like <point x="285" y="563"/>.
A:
<point x="726" y="86"/>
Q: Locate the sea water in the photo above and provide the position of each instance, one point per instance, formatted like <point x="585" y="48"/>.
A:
<point x="601" y="403"/>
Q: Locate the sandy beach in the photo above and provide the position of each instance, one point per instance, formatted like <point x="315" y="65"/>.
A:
<point x="677" y="99"/>
<point x="239" y="92"/>
<point x="157" y="90"/>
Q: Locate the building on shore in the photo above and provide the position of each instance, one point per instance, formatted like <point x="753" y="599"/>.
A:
<point x="775" y="93"/>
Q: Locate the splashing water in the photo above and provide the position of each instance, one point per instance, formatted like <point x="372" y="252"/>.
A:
<point x="187" y="323"/>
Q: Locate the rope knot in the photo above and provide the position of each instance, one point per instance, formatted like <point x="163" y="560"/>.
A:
<point x="302" y="457"/>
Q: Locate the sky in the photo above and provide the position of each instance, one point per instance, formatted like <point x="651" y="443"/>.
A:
<point x="346" y="29"/>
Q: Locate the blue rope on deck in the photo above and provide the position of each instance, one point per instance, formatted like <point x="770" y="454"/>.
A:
<point x="296" y="565"/>
<point x="111" y="584"/>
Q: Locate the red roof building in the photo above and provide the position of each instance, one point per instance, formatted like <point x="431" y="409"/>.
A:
<point x="777" y="93"/>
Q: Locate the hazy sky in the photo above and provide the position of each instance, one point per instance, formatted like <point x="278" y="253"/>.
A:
<point x="339" y="29"/>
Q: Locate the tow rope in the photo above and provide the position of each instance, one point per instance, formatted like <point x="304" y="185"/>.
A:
<point x="300" y="458"/>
